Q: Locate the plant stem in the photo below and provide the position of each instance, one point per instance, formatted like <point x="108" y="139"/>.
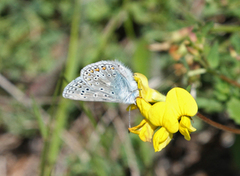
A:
<point x="218" y="125"/>
<point x="224" y="28"/>
<point x="61" y="113"/>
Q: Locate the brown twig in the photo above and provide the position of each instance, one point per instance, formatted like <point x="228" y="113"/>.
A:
<point x="229" y="81"/>
<point x="218" y="125"/>
<point x="225" y="78"/>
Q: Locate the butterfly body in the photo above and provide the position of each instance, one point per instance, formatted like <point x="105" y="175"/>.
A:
<point x="106" y="81"/>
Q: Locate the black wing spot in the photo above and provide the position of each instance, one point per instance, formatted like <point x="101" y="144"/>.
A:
<point x="101" y="88"/>
<point x="113" y="93"/>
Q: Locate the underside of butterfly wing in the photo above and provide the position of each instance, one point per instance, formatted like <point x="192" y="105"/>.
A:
<point x="107" y="81"/>
<point x="79" y="90"/>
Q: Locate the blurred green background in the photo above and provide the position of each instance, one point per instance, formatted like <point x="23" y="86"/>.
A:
<point x="44" y="45"/>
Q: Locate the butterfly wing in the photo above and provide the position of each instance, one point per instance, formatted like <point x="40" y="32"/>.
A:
<point x="78" y="89"/>
<point x="103" y="81"/>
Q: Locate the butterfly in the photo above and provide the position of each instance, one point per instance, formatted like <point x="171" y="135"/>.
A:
<point x="103" y="81"/>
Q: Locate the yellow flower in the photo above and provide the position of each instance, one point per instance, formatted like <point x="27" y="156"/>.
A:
<point x="161" y="139"/>
<point x="145" y="130"/>
<point x="179" y="106"/>
<point x="185" y="127"/>
<point x="182" y="101"/>
<point x="159" y="114"/>
<point x="147" y="93"/>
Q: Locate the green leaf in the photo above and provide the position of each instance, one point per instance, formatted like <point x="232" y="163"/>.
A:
<point x="213" y="56"/>
<point x="209" y="105"/>
<point x="141" y="57"/>
<point x="235" y="41"/>
<point x="234" y="110"/>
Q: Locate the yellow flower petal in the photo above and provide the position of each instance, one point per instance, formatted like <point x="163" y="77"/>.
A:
<point x="162" y="114"/>
<point x="161" y="139"/>
<point x="185" y="127"/>
<point x="182" y="101"/>
<point x="148" y="94"/>
<point x="144" y="130"/>
<point x="143" y="106"/>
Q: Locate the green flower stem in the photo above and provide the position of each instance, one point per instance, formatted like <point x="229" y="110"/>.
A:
<point x="42" y="126"/>
<point x="224" y="28"/>
<point x="61" y="114"/>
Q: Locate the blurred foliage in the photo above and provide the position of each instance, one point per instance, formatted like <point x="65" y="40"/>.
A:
<point x="177" y="43"/>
